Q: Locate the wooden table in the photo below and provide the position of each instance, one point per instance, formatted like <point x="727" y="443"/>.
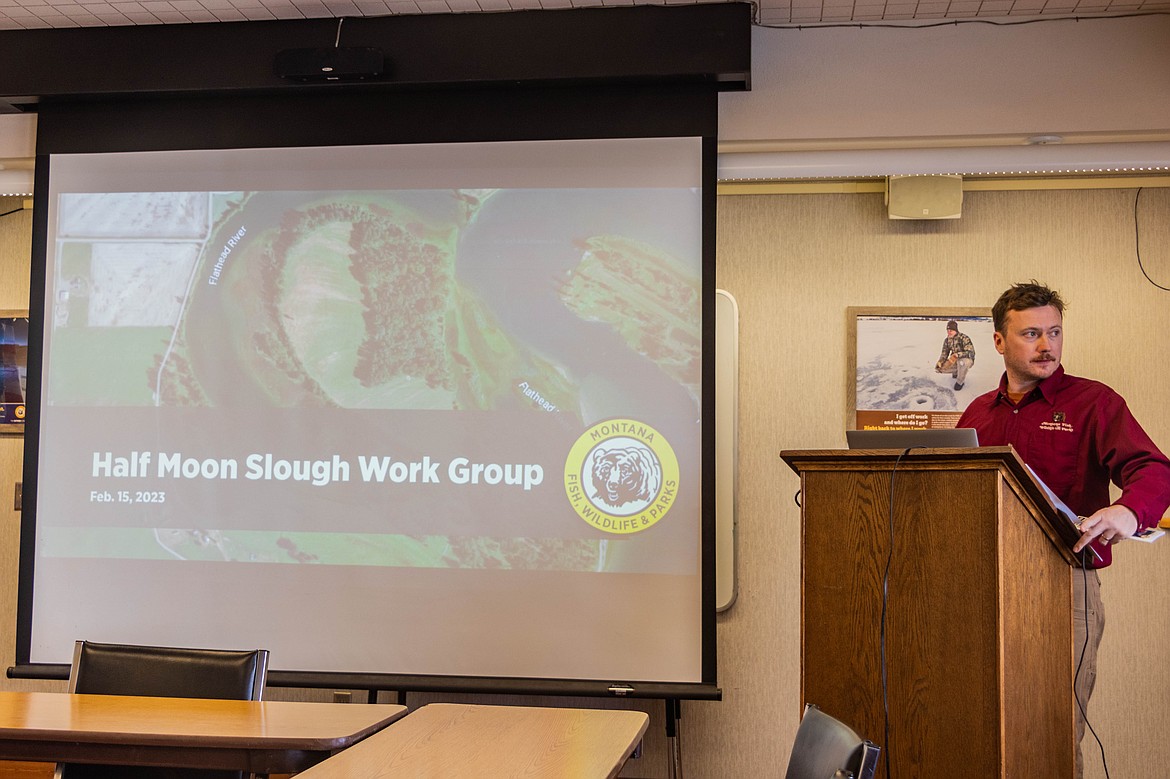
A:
<point x="446" y="740"/>
<point x="258" y="736"/>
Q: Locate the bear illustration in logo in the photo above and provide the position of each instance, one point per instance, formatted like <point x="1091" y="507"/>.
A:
<point x="626" y="474"/>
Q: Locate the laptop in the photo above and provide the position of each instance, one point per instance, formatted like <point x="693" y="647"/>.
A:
<point x="924" y="438"/>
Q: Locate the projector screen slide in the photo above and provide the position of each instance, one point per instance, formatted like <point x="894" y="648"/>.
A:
<point x="420" y="410"/>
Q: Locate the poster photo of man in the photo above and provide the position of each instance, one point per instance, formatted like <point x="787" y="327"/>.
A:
<point x="920" y="368"/>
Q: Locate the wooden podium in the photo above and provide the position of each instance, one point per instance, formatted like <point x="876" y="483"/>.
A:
<point x="978" y="651"/>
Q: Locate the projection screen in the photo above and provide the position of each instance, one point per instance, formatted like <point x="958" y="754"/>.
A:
<point x="425" y="409"/>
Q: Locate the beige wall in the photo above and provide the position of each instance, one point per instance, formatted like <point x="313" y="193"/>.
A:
<point x="1103" y="78"/>
<point x="795" y="263"/>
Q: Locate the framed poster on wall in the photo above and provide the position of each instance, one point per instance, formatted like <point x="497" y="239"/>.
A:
<point x="13" y="370"/>
<point x="918" y="367"/>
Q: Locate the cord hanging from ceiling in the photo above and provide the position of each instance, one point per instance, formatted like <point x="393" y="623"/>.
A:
<point x="1137" y="240"/>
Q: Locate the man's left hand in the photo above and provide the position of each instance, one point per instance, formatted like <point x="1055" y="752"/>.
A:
<point x="1107" y="526"/>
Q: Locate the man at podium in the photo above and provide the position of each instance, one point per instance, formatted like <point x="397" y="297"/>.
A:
<point x="1078" y="435"/>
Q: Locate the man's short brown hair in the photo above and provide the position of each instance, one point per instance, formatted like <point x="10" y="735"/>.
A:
<point x="1018" y="297"/>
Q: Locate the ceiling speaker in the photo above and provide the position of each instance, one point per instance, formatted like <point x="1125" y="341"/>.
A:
<point x="924" y="197"/>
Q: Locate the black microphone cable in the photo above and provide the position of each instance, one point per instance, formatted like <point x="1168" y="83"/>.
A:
<point x="885" y="605"/>
<point x="1081" y="660"/>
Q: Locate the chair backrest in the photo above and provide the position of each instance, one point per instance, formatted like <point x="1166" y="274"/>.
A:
<point x="168" y="672"/>
<point x="825" y="747"/>
<point x="162" y="672"/>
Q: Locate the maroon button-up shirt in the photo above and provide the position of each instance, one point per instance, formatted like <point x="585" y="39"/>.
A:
<point x="1078" y="435"/>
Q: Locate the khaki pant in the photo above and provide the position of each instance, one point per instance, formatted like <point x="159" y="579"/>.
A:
<point x="956" y="366"/>
<point x="1086" y="601"/>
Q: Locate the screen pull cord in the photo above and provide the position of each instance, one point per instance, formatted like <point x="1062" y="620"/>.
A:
<point x="885" y="604"/>
<point x="1081" y="660"/>
<point x="674" y="738"/>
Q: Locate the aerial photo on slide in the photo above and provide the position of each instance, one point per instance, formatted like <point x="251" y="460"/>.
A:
<point x="370" y="300"/>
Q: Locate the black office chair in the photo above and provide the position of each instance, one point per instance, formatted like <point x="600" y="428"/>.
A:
<point x="164" y="672"/>
<point x="826" y="748"/>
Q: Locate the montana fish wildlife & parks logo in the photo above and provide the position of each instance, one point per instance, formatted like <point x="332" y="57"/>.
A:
<point x="621" y="476"/>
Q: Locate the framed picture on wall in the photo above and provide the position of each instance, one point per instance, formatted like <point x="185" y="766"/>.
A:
<point x="912" y="367"/>
<point x="13" y="370"/>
